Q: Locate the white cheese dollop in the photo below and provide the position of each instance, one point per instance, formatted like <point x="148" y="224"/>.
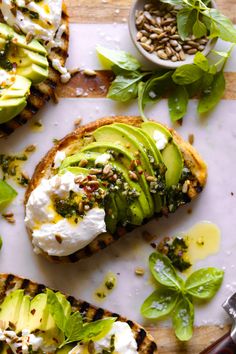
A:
<point x="59" y="157"/>
<point x="49" y="12"/>
<point x="65" y="75"/>
<point x="21" y="344"/>
<point x="160" y="139"/>
<point x="53" y="234"/>
<point x="102" y="159"/>
<point x="125" y="342"/>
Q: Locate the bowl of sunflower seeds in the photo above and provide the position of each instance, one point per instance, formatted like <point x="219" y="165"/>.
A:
<point x="168" y="33"/>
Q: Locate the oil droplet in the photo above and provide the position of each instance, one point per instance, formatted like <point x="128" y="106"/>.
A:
<point x="37" y="126"/>
<point x="107" y="286"/>
<point x="203" y="240"/>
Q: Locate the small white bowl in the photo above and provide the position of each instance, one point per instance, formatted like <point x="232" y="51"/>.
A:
<point x="139" y="5"/>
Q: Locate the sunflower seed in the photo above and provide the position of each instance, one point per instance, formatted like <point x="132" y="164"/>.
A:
<point x="192" y="51"/>
<point x="162" y="54"/>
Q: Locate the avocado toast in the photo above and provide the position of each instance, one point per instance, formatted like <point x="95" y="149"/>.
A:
<point x="105" y="179"/>
<point x="24" y="307"/>
<point x="39" y="93"/>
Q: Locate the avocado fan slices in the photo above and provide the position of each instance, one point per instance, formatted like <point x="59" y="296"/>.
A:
<point x="136" y="187"/>
<point x="24" y="305"/>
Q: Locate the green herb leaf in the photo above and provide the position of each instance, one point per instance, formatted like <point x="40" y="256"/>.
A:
<point x="187" y="74"/>
<point x="201" y="61"/>
<point x="56" y="310"/>
<point x="125" y="88"/>
<point x="153" y="90"/>
<point x="186" y="18"/>
<point x="183" y="319"/>
<point x="163" y="271"/>
<point x="212" y="94"/>
<point x="123" y="60"/>
<point x="221" y="26"/>
<point x="73" y="327"/>
<point x="199" y="29"/>
<point x="7" y="194"/>
<point x="178" y="103"/>
<point x="173" y="2"/>
<point x="204" y="283"/>
<point x="160" y="303"/>
<point x="96" y="330"/>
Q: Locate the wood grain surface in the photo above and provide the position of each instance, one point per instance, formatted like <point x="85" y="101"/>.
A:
<point x="109" y="11"/>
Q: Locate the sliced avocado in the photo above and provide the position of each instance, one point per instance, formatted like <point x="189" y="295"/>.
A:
<point x="138" y="204"/>
<point x="20" y="88"/>
<point x="40" y="319"/>
<point x="31" y="65"/>
<point x="23" y="320"/>
<point x="171" y="154"/>
<point x="7" y="32"/>
<point x="121" y="209"/>
<point x="149" y="153"/>
<point x="111" y="218"/>
<point x="74" y="160"/>
<point x="13" y="98"/>
<point x="114" y="135"/>
<point x="10" y="308"/>
<point x="7" y="113"/>
<point x="34" y="72"/>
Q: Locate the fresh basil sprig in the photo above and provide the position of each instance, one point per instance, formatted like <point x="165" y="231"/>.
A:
<point x="72" y="325"/>
<point x="174" y="296"/>
<point x="202" y="78"/>
<point x="199" y="19"/>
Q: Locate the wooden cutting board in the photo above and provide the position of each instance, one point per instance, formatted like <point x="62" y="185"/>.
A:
<point x="110" y="11"/>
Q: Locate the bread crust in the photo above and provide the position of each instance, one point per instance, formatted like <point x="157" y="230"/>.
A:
<point x="72" y="142"/>
<point x="10" y="282"/>
<point x="40" y="94"/>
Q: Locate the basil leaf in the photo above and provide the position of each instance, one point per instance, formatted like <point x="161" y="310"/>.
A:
<point x="201" y="61"/>
<point x="56" y="310"/>
<point x="153" y="90"/>
<point x="125" y="88"/>
<point x="212" y="94"/>
<point x="160" y="303"/>
<point x="163" y="271"/>
<point x="95" y="330"/>
<point x="7" y="194"/>
<point x="123" y="60"/>
<point x="221" y="25"/>
<point x="183" y="319"/>
<point x="199" y="29"/>
<point x="173" y="2"/>
<point x="178" y="103"/>
<point x="204" y="283"/>
<point x="197" y="87"/>
<point x="186" y="18"/>
<point x="73" y="327"/>
<point x="187" y="74"/>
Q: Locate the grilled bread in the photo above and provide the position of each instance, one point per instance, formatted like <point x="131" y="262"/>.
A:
<point x="74" y="142"/>
<point x="40" y="94"/>
<point x="9" y="283"/>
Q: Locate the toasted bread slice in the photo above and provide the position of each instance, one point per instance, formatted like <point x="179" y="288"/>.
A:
<point x="40" y="94"/>
<point x="145" y="342"/>
<point x="73" y="143"/>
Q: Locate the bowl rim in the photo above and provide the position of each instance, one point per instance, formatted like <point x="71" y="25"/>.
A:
<point x="168" y="64"/>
